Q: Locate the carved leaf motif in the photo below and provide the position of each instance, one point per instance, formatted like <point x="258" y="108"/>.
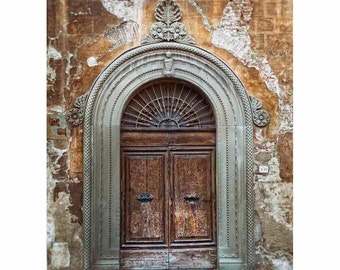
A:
<point x="187" y="40"/>
<point x="75" y="116"/>
<point x="255" y="103"/>
<point x="80" y="101"/>
<point x="168" y="12"/>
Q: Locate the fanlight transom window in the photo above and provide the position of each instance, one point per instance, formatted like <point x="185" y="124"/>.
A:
<point x="168" y="105"/>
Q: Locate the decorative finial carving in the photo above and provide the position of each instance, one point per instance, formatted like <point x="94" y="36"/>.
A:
<point x="168" y="28"/>
<point x="260" y="116"/>
<point x="75" y="116"/>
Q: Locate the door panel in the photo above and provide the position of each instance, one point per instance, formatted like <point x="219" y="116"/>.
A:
<point x="145" y="259"/>
<point x="176" y="229"/>
<point x="192" y="174"/>
<point x="144" y="204"/>
<point x="192" y="258"/>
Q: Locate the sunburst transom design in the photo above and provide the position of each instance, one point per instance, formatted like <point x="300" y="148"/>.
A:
<point x="168" y="105"/>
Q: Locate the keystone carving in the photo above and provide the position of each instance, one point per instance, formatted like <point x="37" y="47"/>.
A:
<point x="260" y="116"/>
<point x="75" y="116"/>
<point x="168" y="28"/>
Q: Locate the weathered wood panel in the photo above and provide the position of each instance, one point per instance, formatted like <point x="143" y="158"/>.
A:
<point x="196" y="138"/>
<point x="193" y="192"/>
<point x="144" y="259"/>
<point x="144" y="138"/>
<point x="161" y="138"/>
<point x="193" y="258"/>
<point x="144" y="220"/>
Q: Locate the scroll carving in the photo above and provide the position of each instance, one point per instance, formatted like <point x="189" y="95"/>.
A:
<point x="260" y="116"/>
<point x="168" y="28"/>
<point x="75" y="116"/>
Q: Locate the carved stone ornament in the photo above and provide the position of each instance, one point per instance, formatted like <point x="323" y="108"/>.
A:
<point x="75" y="116"/>
<point x="168" y="28"/>
<point x="260" y="116"/>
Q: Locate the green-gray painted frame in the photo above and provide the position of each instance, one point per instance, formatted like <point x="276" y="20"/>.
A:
<point x="234" y="149"/>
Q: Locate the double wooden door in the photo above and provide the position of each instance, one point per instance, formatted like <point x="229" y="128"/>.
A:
<point x="168" y="200"/>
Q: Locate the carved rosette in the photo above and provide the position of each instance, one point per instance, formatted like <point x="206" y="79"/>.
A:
<point x="75" y="116"/>
<point x="260" y="116"/>
<point x="168" y="28"/>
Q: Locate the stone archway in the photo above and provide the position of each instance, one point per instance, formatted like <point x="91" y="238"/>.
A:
<point x="234" y="149"/>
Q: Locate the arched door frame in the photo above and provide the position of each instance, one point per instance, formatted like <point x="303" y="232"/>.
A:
<point x="234" y="149"/>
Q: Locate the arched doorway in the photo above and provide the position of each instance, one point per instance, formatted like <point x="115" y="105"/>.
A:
<point x="168" y="213"/>
<point x="104" y="143"/>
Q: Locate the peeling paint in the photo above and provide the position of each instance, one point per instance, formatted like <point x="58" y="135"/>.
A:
<point x="200" y="11"/>
<point x="232" y="36"/>
<point x="67" y="70"/>
<point x="124" y="10"/>
<point x="122" y="34"/>
<point x="274" y="198"/>
<point x="56" y="109"/>
<point x="60" y="255"/>
<point x="52" y="53"/>
<point x="92" y="61"/>
<point x="54" y="162"/>
<point x="282" y="264"/>
<point x="276" y="260"/>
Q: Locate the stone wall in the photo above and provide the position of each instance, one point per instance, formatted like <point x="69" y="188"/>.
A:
<point x="254" y="37"/>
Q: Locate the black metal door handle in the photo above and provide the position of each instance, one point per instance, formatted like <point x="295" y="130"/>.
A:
<point x="192" y="197"/>
<point x="144" y="197"/>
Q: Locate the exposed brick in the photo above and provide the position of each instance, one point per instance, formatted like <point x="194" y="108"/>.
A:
<point x="258" y="8"/>
<point x="265" y="25"/>
<point x="258" y="42"/>
<point x="54" y="122"/>
<point x="273" y="9"/>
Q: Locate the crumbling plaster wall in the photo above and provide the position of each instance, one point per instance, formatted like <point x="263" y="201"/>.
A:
<point x="254" y="37"/>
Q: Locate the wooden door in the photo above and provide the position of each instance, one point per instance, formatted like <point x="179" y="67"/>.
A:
<point x="168" y="200"/>
<point x="168" y="216"/>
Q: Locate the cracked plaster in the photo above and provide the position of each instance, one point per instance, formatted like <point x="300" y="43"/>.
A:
<point x="62" y="232"/>
<point x="273" y="260"/>
<point x="124" y="10"/>
<point x="52" y="53"/>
